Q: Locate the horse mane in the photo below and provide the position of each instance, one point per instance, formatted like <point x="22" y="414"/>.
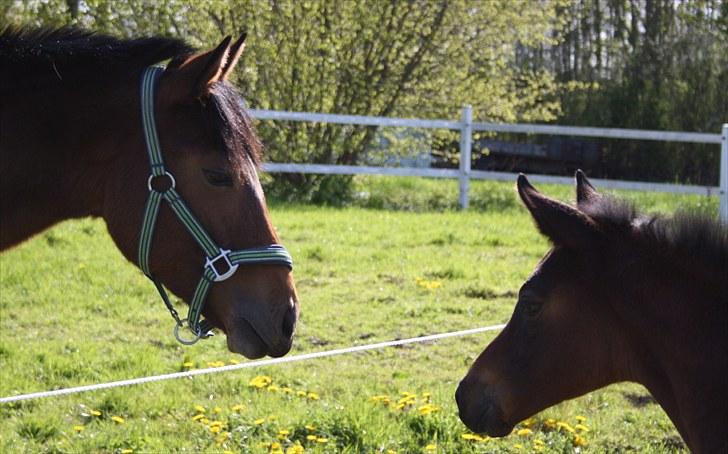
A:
<point x="691" y="235"/>
<point x="80" y="57"/>
<point x="33" y="52"/>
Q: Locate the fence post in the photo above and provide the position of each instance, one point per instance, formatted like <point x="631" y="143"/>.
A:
<point x="723" y="193"/>
<point x="466" y="142"/>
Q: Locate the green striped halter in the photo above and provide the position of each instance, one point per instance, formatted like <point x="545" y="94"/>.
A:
<point x="220" y="263"/>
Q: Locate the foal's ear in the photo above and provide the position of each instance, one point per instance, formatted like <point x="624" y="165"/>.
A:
<point x="562" y="224"/>
<point x="192" y="78"/>
<point x="234" y="53"/>
<point x="585" y="192"/>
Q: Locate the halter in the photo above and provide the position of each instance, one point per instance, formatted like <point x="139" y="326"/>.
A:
<point x="220" y="263"/>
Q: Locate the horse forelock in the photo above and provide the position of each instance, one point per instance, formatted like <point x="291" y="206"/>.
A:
<point x="232" y="126"/>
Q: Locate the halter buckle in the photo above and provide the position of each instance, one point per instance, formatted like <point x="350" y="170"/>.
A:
<point x="211" y="263"/>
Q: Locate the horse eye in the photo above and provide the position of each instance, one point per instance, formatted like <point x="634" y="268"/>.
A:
<point x="217" y="178"/>
<point x="531" y="308"/>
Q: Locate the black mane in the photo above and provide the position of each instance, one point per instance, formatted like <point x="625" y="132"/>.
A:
<point x="692" y="235"/>
<point x="29" y="53"/>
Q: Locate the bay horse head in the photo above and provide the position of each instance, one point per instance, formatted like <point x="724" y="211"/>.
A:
<point x="192" y="214"/>
<point x="618" y="297"/>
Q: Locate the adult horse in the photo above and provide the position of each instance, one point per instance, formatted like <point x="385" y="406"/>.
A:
<point x="168" y="157"/>
<point x="618" y="297"/>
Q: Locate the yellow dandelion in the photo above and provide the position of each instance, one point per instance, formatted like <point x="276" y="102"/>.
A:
<point x="95" y="413"/>
<point x="431" y="447"/>
<point x="301" y="393"/>
<point x="283" y="432"/>
<point x="261" y="381"/>
<point x="579" y="441"/>
<point x="313" y="396"/>
<point x="565" y="426"/>
<point x="310" y="427"/>
<point x="272" y="418"/>
<point x="286" y="390"/>
<point x="581" y="427"/>
<point x="238" y="407"/>
<point x="550" y="424"/>
<point x="204" y="421"/>
<point x="273" y="388"/>
<point x="259" y="421"/>
<point x="217" y="410"/>
<point x="524" y="432"/>
<point x="295" y="449"/>
<point x="538" y="442"/>
<point x="538" y="448"/>
<point x="217" y="423"/>
<point x="215" y="429"/>
<point x="233" y="361"/>
<point x="197" y="417"/>
<point x="275" y="445"/>
<point x="580" y="418"/>
<point x="322" y="440"/>
<point x="215" y="363"/>
<point x="472" y="437"/>
<point x="127" y="451"/>
<point x="79" y="428"/>
<point x="200" y="409"/>
<point x="311" y="437"/>
<point x="188" y="364"/>
<point x="528" y="423"/>
<point x="117" y="419"/>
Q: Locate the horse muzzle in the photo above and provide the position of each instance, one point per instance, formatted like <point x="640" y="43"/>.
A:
<point x="479" y="410"/>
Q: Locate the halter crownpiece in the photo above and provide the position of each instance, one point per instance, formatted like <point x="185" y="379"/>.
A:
<point x="220" y="263"/>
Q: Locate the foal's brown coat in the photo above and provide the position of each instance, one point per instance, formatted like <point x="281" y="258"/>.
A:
<point x="71" y="145"/>
<point x="619" y="297"/>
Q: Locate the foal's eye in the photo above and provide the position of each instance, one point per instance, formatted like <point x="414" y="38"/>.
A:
<point x="217" y="178"/>
<point x="531" y="308"/>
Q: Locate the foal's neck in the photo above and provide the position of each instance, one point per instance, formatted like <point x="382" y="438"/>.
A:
<point x="58" y="147"/>
<point x="678" y="335"/>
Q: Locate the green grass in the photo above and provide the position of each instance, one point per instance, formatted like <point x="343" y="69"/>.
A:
<point x="74" y="312"/>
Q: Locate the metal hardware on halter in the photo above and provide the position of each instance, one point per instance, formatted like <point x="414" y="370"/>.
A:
<point x="273" y="254"/>
<point x="210" y="263"/>
<point x="168" y="175"/>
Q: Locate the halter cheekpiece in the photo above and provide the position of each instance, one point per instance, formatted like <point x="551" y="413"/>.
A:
<point x="220" y="263"/>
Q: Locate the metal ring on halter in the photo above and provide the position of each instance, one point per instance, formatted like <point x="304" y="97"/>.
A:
<point x="171" y="178"/>
<point x="180" y="339"/>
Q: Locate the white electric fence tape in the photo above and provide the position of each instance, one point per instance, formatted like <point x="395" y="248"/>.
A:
<point x="251" y="364"/>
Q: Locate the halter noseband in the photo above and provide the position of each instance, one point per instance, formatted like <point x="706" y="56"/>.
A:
<point x="220" y="263"/>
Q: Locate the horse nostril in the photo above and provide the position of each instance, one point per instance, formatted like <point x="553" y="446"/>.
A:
<point x="289" y="322"/>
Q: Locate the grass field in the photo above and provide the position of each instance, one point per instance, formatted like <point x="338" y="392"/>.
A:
<point x="73" y="312"/>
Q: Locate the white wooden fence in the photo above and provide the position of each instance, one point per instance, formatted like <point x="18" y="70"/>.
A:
<point x="466" y="126"/>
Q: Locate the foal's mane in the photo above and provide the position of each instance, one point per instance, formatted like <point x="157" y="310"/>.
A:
<point x="691" y="235"/>
<point x="30" y="57"/>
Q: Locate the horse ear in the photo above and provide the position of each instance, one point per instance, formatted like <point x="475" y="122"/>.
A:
<point x="234" y="53"/>
<point x="562" y="224"/>
<point x="585" y="192"/>
<point x="192" y="78"/>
